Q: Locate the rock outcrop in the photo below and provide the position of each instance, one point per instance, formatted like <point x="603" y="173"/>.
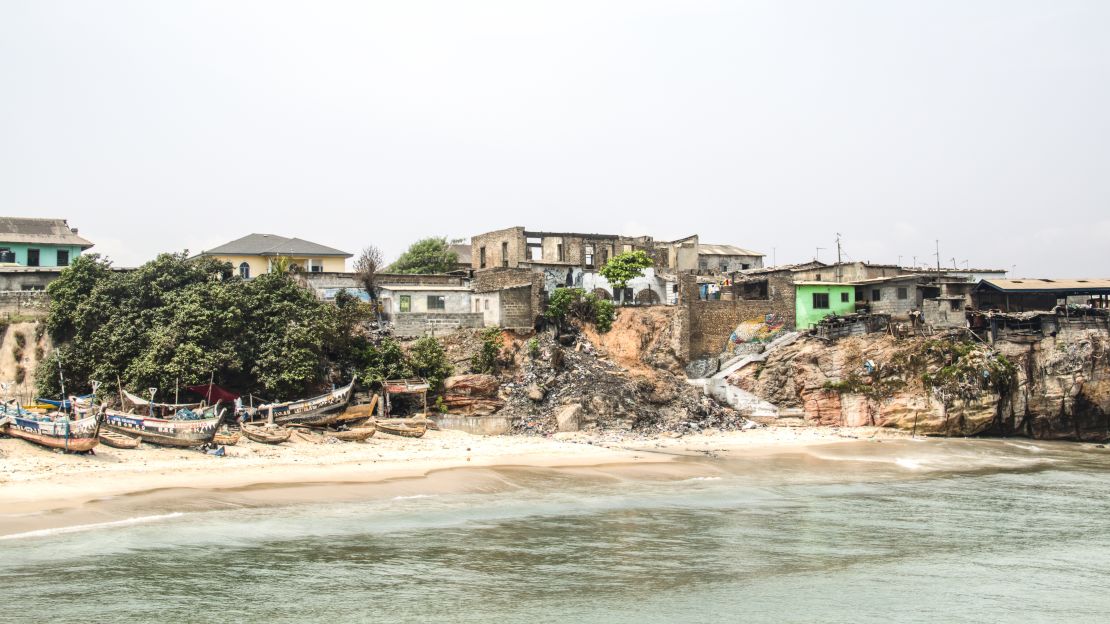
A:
<point x="1053" y="387"/>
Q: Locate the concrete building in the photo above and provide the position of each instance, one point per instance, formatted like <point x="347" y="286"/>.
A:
<point x="254" y="254"/>
<point x="572" y="260"/>
<point x="31" y="242"/>
<point x="727" y="259"/>
<point x="816" y="300"/>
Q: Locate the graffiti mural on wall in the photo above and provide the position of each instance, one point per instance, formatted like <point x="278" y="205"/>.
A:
<point x="756" y="332"/>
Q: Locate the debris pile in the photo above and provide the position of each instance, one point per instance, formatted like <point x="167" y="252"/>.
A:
<point x="568" y="387"/>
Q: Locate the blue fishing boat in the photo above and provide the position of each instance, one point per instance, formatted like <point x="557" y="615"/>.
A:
<point x="56" y="429"/>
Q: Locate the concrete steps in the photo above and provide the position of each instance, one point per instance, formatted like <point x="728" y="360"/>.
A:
<point x="743" y="401"/>
<point x="740" y="361"/>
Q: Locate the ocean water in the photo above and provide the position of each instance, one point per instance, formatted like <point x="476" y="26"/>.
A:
<point x="905" y="531"/>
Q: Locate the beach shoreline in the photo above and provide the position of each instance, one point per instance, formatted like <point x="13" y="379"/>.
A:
<point x="40" y="488"/>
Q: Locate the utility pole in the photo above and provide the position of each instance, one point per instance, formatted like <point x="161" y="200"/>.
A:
<point x="938" y="254"/>
<point x="838" y="269"/>
<point x="773" y="261"/>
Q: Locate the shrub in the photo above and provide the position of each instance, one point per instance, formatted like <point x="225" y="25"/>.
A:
<point x="534" y="348"/>
<point x="578" y="304"/>
<point x="485" y="361"/>
<point x="429" y="360"/>
<point x="604" y="313"/>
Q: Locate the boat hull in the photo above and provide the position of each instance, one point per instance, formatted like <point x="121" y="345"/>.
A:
<point x="79" y="436"/>
<point x="315" y="412"/>
<point x="404" y="430"/>
<point x="266" y="436"/>
<point x="182" y="433"/>
<point x="358" y="434"/>
<point x="118" y="440"/>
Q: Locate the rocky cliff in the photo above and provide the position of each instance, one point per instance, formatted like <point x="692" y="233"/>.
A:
<point x="1053" y="387"/>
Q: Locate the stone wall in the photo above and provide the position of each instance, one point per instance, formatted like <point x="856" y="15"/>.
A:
<point x="491" y="242"/>
<point x="413" y="324"/>
<point x="708" y="324"/>
<point x="26" y="303"/>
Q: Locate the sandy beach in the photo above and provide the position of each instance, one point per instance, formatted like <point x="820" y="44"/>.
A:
<point x="35" y="480"/>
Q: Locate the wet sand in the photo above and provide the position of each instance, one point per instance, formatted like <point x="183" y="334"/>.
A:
<point x="42" y="489"/>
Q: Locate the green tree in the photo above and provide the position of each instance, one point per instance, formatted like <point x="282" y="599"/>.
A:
<point x="175" y="320"/>
<point x="383" y="361"/>
<point x="429" y="360"/>
<point x="430" y="255"/>
<point x="625" y="267"/>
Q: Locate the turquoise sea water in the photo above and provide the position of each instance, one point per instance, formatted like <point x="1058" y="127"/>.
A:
<point x="934" y="531"/>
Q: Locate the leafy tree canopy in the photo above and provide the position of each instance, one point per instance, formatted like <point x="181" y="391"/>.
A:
<point x="625" y="267"/>
<point x="430" y="255"/>
<point x="177" y="320"/>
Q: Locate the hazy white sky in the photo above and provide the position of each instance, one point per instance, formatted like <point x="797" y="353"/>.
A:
<point x="157" y="126"/>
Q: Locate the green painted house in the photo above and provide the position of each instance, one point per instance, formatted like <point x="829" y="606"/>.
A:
<point x="31" y="242"/>
<point x="816" y="300"/>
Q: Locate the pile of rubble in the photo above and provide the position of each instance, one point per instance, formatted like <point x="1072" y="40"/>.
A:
<point x="567" y="386"/>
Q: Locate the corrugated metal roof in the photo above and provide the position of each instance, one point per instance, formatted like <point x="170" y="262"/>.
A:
<point x="273" y="245"/>
<point x="725" y="250"/>
<point x="1046" y="285"/>
<point x="40" y="231"/>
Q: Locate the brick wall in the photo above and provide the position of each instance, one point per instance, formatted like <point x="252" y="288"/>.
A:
<point x="514" y="237"/>
<point x="521" y="294"/>
<point x="498" y="278"/>
<point x="516" y="307"/>
<point x="706" y="325"/>
<point x="419" y="324"/>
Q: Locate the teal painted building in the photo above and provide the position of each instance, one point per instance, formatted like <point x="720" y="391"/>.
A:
<point x="30" y="242"/>
<point x="816" y="300"/>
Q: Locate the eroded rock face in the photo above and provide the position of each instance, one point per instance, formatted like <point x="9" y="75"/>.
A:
<point x="1060" y="388"/>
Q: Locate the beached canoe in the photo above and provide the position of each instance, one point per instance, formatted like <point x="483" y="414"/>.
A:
<point x="404" y="429"/>
<point x="118" y="440"/>
<point x="182" y="431"/>
<point x="228" y="437"/>
<point x="357" y="434"/>
<point x="57" y="430"/>
<point x="266" y="435"/>
<point x="317" y="411"/>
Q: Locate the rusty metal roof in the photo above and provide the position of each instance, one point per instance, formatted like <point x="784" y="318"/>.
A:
<point x="725" y="250"/>
<point x="1050" y="286"/>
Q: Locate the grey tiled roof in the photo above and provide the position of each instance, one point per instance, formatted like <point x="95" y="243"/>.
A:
<point x="273" y="245"/>
<point x="39" y="231"/>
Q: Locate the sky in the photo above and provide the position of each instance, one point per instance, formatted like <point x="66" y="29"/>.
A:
<point x="772" y="125"/>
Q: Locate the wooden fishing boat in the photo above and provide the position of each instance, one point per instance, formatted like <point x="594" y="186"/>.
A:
<point x="57" y="430"/>
<point x="167" y="432"/>
<point x="357" y="434"/>
<point x="409" y="429"/>
<point x="266" y="435"/>
<point x="118" y="440"/>
<point x="229" y="435"/>
<point x="317" y="411"/>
